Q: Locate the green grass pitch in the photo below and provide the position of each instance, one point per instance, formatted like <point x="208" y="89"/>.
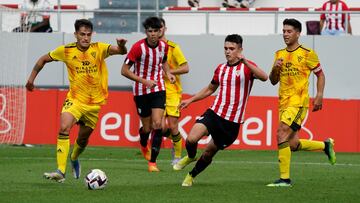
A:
<point x="234" y="176"/>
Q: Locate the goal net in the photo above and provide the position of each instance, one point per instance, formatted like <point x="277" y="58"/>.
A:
<point x="13" y="58"/>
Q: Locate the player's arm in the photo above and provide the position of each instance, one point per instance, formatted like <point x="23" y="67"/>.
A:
<point x="37" y="68"/>
<point x="166" y="69"/>
<point x="205" y="92"/>
<point x="120" y="48"/>
<point x="125" y="71"/>
<point x="320" y="86"/>
<point x="258" y="73"/>
<point x="275" y="71"/>
<point x="181" y="60"/>
<point x="183" y="69"/>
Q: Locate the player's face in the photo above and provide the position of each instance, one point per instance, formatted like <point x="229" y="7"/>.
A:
<point x="232" y="50"/>
<point x="153" y="36"/>
<point x="290" y="35"/>
<point x="83" y="37"/>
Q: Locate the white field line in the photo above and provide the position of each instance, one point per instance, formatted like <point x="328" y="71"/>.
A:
<point x="168" y="160"/>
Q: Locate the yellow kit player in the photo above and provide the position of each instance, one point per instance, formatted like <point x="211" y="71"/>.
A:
<point x="178" y="65"/>
<point x="88" y="90"/>
<point x="292" y="68"/>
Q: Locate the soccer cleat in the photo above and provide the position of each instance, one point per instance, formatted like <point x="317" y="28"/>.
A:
<point x="329" y="150"/>
<point x="188" y="181"/>
<point x="183" y="162"/>
<point x="76" y="168"/>
<point x="152" y="167"/>
<point x="280" y="183"/>
<point x="58" y="176"/>
<point x="146" y="152"/>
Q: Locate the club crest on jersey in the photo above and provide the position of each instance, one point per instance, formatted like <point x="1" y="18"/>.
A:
<point x="93" y="54"/>
<point x="238" y="72"/>
<point x="300" y="58"/>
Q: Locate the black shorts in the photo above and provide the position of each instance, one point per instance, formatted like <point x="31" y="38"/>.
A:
<point x="223" y="132"/>
<point x="144" y="103"/>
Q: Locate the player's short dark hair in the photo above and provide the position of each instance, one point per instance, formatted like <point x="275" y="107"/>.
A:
<point x="83" y="23"/>
<point x="235" y="38"/>
<point x="152" y="22"/>
<point x="162" y="21"/>
<point x="293" y="22"/>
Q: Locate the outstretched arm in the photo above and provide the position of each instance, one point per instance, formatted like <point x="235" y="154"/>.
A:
<point x="37" y="68"/>
<point x="205" y="92"/>
<point x="120" y="48"/>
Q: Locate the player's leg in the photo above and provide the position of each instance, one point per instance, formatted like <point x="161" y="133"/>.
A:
<point x="290" y="122"/>
<point x="327" y="146"/>
<point x="67" y="120"/>
<point x="196" y="133"/>
<point x="87" y="124"/>
<point x="144" y="111"/>
<point x="176" y="138"/>
<point x="156" y="119"/>
<point x="79" y="146"/>
<point x="284" y="155"/>
<point x="144" y="133"/>
<point x="173" y="113"/>
<point x="203" y="162"/>
<point x="157" y="104"/>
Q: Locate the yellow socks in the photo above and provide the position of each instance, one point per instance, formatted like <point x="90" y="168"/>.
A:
<point x="311" y="145"/>
<point x="62" y="151"/>
<point x="284" y="160"/>
<point x="177" y="142"/>
<point x="77" y="150"/>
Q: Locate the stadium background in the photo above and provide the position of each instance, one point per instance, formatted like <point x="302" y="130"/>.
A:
<point x="118" y="122"/>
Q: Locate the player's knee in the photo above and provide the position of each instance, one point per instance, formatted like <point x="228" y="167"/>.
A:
<point x="64" y="129"/>
<point x="207" y="156"/>
<point x="174" y="128"/>
<point x="82" y="142"/>
<point x="190" y="142"/>
<point x="282" y="135"/>
<point x="156" y="124"/>
<point x="294" y="145"/>
<point x="144" y="130"/>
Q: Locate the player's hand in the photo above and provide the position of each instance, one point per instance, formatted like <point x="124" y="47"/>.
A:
<point x="29" y="86"/>
<point x="121" y="42"/>
<point x="150" y="83"/>
<point x="317" y="103"/>
<point x="241" y="57"/>
<point x="172" y="78"/>
<point x="184" y="104"/>
<point x="278" y="63"/>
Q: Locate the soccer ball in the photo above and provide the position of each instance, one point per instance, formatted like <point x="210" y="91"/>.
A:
<point x="96" y="179"/>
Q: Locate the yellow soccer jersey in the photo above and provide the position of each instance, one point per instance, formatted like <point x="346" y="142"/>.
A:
<point x="175" y="59"/>
<point x="294" y="76"/>
<point x="87" y="71"/>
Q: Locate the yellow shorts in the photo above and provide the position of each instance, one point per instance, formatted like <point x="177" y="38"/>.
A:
<point x="86" y="114"/>
<point x="293" y="116"/>
<point x="172" y="105"/>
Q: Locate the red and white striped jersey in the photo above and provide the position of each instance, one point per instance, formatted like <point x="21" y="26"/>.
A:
<point x="334" y="21"/>
<point x="148" y="62"/>
<point x="235" y="84"/>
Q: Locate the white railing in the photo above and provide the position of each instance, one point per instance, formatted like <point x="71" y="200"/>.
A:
<point x="193" y="21"/>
